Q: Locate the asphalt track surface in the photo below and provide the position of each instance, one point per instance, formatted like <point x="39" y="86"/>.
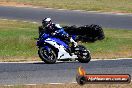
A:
<point x="63" y="72"/>
<point x="67" y="17"/>
<point x="40" y="73"/>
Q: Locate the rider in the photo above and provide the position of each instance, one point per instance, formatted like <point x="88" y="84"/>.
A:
<point x="55" y="29"/>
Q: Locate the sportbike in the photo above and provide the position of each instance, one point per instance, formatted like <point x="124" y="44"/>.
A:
<point x="51" y="49"/>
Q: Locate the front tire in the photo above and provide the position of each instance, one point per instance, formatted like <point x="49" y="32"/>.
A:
<point x="83" y="54"/>
<point x="47" y="54"/>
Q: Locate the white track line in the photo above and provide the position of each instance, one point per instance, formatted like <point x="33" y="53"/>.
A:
<point x="66" y="61"/>
<point x="110" y="59"/>
<point x="44" y="84"/>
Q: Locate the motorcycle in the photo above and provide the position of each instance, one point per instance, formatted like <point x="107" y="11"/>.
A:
<point x="51" y="49"/>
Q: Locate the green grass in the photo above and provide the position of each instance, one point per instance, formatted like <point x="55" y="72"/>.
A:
<point x="118" y="43"/>
<point x="17" y="39"/>
<point x="17" y="42"/>
<point x="88" y="5"/>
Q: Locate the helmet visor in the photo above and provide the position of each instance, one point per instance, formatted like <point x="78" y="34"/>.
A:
<point x="45" y="23"/>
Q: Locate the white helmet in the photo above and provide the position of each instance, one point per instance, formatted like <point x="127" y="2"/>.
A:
<point x="46" y="22"/>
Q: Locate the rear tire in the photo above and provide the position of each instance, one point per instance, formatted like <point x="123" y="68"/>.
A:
<point x="83" y="54"/>
<point x="48" y="56"/>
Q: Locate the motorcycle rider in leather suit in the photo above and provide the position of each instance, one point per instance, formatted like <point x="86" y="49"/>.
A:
<point x="56" y="30"/>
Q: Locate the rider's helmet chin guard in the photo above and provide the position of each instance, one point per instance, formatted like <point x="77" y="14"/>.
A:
<point x="46" y="22"/>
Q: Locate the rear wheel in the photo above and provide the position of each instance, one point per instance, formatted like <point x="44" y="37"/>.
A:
<point x="83" y="54"/>
<point x="47" y="54"/>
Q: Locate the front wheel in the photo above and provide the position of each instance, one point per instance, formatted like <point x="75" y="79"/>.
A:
<point x="83" y="54"/>
<point x="47" y="54"/>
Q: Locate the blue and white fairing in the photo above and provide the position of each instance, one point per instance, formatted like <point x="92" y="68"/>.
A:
<point x="61" y="46"/>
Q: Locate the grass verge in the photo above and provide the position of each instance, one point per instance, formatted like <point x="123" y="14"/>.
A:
<point x="88" y="5"/>
<point x="17" y="42"/>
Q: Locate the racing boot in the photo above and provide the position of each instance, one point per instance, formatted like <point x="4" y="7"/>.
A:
<point x="72" y="46"/>
<point x="73" y="41"/>
<point x="69" y="51"/>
